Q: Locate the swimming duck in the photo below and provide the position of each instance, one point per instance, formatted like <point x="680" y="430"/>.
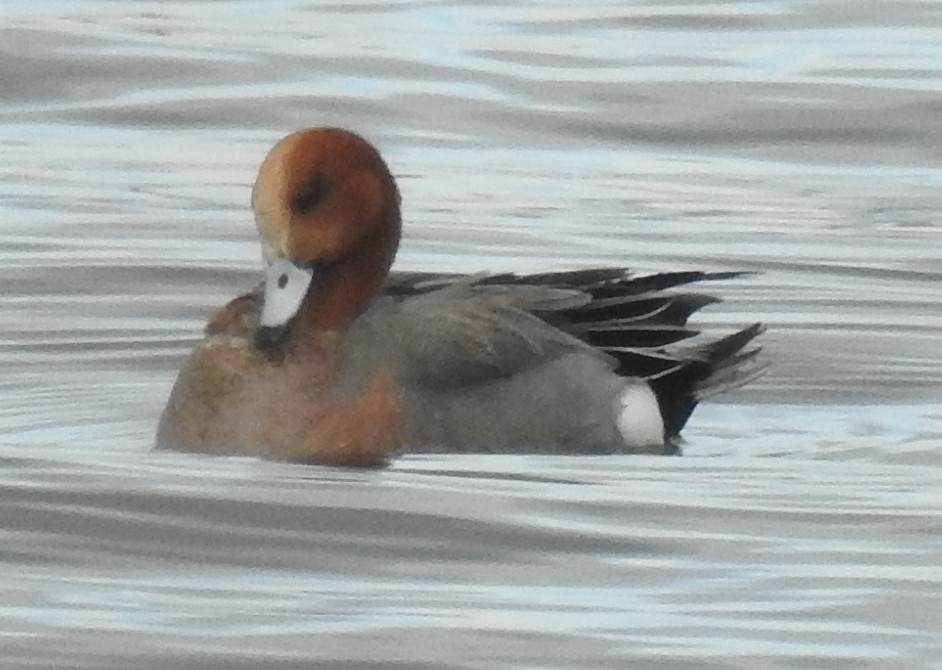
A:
<point x="333" y="359"/>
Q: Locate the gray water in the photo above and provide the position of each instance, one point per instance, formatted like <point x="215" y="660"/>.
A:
<point x="800" y="139"/>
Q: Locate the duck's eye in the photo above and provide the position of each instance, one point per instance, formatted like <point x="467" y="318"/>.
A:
<point x="282" y="280"/>
<point x="309" y="195"/>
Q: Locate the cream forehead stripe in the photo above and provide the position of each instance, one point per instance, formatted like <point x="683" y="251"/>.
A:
<point x="270" y="200"/>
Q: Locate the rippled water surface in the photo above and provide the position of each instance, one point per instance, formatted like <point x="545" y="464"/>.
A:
<point x="799" y="139"/>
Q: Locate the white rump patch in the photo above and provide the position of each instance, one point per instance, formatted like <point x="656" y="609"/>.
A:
<point x="286" y="285"/>
<point x="638" y="416"/>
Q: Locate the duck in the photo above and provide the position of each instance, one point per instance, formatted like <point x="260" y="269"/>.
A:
<point x="334" y="359"/>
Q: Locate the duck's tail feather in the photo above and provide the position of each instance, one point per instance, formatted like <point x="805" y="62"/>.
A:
<point x="639" y="322"/>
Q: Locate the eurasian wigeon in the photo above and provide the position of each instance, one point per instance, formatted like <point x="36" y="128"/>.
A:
<point x="332" y="359"/>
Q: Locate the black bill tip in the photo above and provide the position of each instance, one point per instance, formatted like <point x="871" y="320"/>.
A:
<point x="271" y="340"/>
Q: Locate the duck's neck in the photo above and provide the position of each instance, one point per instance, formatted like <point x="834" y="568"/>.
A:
<point x="348" y="286"/>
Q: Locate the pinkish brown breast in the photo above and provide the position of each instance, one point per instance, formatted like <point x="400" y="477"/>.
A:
<point x="230" y="399"/>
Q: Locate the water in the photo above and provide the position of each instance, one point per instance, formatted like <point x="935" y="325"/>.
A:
<point x="800" y="139"/>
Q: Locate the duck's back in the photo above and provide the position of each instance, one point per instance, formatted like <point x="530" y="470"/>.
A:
<point x="577" y="362"/>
